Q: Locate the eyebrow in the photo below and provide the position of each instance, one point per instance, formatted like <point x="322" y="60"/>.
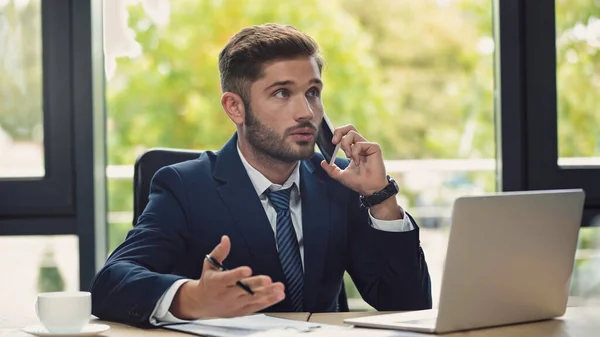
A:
<point x="290" y="82"/>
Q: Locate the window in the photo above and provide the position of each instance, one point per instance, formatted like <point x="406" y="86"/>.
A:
<point x="34" y="115"/>
<point x="33" y="264"/>
<point x="578" y="104"/>
<point x="48" y="151"/>
<point x="557" y="125"/>
<point x="21" y="115"/>
<point x="578" y="82"/>
<point x="541" y="146"/>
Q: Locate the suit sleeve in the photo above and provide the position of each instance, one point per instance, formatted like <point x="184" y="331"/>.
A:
<point x="136" y="274"/>
<point x="388" y="268"/>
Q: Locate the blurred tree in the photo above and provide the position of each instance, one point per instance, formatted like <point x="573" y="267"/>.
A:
<point x="438" y="64"/>
<point x="429" y="74"/>
<point x="170" y="95"/>
<point x="578" y="77"/>
<point x="50" y="278"/>
<point x="21" y="70"/>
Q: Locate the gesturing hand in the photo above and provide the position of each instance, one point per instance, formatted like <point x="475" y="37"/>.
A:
<point x="216" y="294"/>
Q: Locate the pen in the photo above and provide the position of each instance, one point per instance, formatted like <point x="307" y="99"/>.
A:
<point x="219" y="266"/>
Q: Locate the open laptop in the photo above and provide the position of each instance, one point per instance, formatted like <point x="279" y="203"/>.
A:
<point x="509" y="260"/>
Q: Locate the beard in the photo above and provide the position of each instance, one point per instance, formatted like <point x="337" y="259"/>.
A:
<point x="266" y="142"/>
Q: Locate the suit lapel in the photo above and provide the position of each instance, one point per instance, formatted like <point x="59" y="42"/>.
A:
<point x="315" y="228"/>
<point x="239" y="195"/>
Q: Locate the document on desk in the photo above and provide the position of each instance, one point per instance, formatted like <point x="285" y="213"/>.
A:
<point x="247" y="325"/>
<point x="339" y="333"/>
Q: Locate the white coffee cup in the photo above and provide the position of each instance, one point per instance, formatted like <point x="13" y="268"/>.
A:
<point x="64" y="312"/>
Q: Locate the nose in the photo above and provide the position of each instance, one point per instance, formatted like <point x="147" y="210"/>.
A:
<point x="304" y="111"/>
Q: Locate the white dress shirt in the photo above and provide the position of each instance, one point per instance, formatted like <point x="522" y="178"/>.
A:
<point x="261" y="184"/>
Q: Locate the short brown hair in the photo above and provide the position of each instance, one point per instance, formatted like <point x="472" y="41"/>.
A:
<point x="241" y="60"/>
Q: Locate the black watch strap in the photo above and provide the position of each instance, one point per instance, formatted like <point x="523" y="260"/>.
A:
<point x="378" y="197"/>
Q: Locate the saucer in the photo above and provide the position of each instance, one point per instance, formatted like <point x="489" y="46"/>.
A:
<point x="88" y="330"/>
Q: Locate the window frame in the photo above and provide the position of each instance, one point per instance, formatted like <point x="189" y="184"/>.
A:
<point x="527" y="108"/>
<point x="51" y="194"/>
<point x="71" y="198"/>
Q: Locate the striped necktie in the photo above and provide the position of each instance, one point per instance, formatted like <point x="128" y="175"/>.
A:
<point x="288" y="248"/>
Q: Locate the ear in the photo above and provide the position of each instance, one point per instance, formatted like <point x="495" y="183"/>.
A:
<point x="234" y="107"/>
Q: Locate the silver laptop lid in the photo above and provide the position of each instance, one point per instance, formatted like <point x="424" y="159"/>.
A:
<point x="510" y="258"/>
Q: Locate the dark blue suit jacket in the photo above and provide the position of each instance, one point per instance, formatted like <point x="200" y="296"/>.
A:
<point x="194" y="203"/>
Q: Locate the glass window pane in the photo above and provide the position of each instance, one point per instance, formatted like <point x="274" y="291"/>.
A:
<point x="32" y="264"/>
<point x="585" y="282"/>
<point x="415" y="76"/>
<point x="21" y="122"/>
<point x="578" y="81"/>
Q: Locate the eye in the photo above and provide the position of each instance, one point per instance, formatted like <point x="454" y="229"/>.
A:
<point x="282" y="93"/>
<point x="313" y="92"/>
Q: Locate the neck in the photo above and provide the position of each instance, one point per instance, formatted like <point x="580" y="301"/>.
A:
<point x="275" y="170"/>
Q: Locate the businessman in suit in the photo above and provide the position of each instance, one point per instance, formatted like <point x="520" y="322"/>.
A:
<point x="268" y="206"/>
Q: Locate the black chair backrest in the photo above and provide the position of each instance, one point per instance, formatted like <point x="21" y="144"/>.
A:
<point x="148" y="163"/>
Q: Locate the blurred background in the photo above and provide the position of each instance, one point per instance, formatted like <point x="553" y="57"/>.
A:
<point x="416" y="76"/>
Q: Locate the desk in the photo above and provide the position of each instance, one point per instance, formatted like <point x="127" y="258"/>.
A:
<point x="577" y="322"/>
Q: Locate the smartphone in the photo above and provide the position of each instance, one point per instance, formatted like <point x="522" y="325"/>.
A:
<point x="324" y="141"/>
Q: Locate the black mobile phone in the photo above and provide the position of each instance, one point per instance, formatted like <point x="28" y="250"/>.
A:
<point x="324" y="140"/>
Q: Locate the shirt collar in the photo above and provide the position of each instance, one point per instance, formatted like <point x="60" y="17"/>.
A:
<point x="261" y="183"/>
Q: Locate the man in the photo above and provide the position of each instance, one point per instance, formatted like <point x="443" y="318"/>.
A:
<point x="266" y="205"/>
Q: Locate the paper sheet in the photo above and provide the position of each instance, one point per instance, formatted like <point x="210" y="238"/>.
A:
<point x="247" y="325"/>
<point x="339" y="333"/>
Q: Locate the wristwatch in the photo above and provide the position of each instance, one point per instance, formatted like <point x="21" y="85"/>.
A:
<point x="378" y="197"/>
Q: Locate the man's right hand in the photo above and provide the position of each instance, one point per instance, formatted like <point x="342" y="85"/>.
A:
<point x="216" y="294"/>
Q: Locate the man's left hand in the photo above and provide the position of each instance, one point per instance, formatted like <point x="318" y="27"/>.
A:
<point x="366" y="172"/>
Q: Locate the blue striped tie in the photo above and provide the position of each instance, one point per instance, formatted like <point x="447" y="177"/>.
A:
<point x="287" y="245"/>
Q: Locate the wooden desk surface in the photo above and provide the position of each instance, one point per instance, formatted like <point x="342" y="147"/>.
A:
<point x="577" y="322"/>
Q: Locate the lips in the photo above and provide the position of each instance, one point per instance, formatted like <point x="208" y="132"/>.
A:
<point x="304" y="132"/>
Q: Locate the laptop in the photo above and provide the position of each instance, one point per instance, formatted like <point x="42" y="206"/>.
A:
<point x="509" y="260"/>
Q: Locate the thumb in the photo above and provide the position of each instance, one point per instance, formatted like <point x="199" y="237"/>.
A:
<point x="332" y="170"/>
<point x="221" y="251"/>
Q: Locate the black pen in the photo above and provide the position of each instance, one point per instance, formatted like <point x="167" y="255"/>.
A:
<point x="219" y="266"/>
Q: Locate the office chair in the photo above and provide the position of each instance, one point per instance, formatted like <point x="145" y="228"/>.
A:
<point x="146" y="165"/>
<point x="149" y="162"/>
